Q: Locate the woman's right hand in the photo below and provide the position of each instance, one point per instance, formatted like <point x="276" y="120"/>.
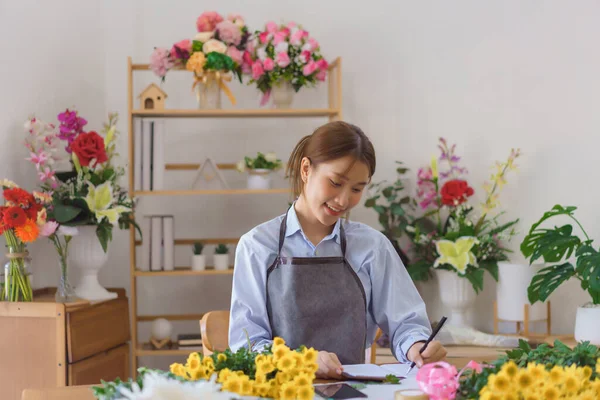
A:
<point x="329" y="366"/>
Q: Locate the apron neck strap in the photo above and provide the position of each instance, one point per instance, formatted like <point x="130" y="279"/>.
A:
<point x="283" y="228"/>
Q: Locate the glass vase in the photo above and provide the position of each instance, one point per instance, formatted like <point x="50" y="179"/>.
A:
<point x="17" y="275"/>
<point x="64" y="291"/>
<point x="208" y="92"/>
<point x="282" y="93"/>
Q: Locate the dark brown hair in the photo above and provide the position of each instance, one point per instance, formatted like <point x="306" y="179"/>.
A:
<point x="331" y="141"/>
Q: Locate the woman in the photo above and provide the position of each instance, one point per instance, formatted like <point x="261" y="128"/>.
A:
<point x="309" y="278"/>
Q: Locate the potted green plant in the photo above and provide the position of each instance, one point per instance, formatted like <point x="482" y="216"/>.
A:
<point x="221" y="257"/>
<point x="198" y="259"/>
<point x="559" y="246"/>
<point x="259" y="169"/>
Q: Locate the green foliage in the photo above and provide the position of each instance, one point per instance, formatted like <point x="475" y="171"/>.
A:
<point x="261" y="162"/>
<point x="218" y="62"/>
<point x="583" y="354"/>
<point x="221" y="249"/>
<point x="557" y="245"/>
<point x="198" y="246"/>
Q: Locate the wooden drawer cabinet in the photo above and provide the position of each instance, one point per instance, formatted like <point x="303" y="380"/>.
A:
<point x="44" y="344"/>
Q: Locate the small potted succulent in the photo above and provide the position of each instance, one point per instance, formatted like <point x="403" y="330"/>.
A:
<point x="198" y="259"/>
<point x="221" y="257"/>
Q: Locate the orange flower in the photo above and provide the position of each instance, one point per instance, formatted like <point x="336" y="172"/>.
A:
<point x="28" y="232"/>
<point x="14" y="217"/>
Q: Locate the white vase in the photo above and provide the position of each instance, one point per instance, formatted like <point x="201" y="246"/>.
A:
<point x="511" y="292"/>
<point x="86" y="253"/>
<point x="221" y="262"/>
<point x="208" y="94"/>
<point x="198" y="262"/>
<point x="282" y="93"/>
<point x="587" y="325"/>
<point x="458" y="295"/>
<point x="259" y="179"/>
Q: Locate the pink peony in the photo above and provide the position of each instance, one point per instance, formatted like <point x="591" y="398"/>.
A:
<point x="291" y="25"/>
<point x="181" y="49"/>
<point x="297" y="36"/>
<point x="285" y="31"/>
<point x="208" y="21"/>
<point x="257" y="70"/>
<point x="229" y="32"/>
<point x="268" y="64"/>
<point x="237" y="19"/>
<point x="271" y="27"/>
<point x="247" y="58"/>
<point x="321" y="75"/>
<point x="264" y="37"/>
<point x="314" y="45"/>
<point x="279" y="37"/>
<point x="235" y="55"/>
<point x="305" y="56"/>
<point x="322" y="64"/>
<point x="160" y="63"/>
<point x="282" y="59"/>
<point x="309" y="68"/>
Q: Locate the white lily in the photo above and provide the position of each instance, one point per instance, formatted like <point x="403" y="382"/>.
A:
<point x="99" y="200"/>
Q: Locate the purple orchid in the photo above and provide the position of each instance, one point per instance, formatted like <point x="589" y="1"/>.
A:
<point x="71" y="125"/>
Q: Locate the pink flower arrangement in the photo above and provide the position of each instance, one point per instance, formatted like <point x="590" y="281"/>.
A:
<point x="441" y="381"/>
<point x="219" y="45"/>
<point x="284" y="53"/>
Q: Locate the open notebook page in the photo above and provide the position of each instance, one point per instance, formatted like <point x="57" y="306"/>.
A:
<point x="376" y="372"/>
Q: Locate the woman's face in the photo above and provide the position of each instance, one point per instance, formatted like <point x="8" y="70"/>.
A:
<point x="333" y="188"/>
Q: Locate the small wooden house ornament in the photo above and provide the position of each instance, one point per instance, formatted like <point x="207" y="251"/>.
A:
<point x="152" y="98"/>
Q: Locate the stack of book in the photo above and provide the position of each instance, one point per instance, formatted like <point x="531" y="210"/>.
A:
<point x="189" y="341"/>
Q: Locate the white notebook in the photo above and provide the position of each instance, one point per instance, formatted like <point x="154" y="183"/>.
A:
<point x="376" y="372"/>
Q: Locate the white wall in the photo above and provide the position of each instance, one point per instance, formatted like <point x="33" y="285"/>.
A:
<point x="488" y="76"/>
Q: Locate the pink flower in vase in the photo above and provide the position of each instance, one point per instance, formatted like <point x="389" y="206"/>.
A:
<point x="264" y="37"/>
<point x="268" y="64"/>
<point x="309" y="68"/>
<point x="235" y="55"/>
<point x="257" y="70"/>
<point x="321" y="75"/>
<point x="48" y="228"/>
<point x="237" y="19"/>
<point x="271" y="27"/>
<point x="229" y="32"/>
<point x="38" y="159"/>
<point x="297" y="36"/>
<point x="182" y="49"/>
<point x="160" y="63"/>
<point x="282" y="59"/>
<point x="208" y="21"/>
<point x="322" y="64"/>
<point x="279" y="37"/>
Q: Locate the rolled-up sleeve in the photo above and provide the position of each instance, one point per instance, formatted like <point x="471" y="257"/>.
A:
<point x="397" y="307"/>
<point x="248" y="313"/>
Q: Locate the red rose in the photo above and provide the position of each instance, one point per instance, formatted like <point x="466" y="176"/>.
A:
<point x="455" y="192"/>
<point x="89" y="146"/>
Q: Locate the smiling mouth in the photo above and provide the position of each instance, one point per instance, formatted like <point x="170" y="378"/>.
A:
<point x="337" y="210"/>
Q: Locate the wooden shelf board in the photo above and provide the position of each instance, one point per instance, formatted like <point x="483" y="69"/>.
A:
<point x="209" y="241"/>
<point x="185" y="271"/>
<point x="146" y="349"/>
<point x="170" y="317"/>
<point x="203" y="192"/>
<point x="237" y="113"/>
<point x="189" y="166"/>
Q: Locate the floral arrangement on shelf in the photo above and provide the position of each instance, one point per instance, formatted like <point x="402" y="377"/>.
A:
<point x="447" y="235"/>
<point x="546" y="372"/>
<point x="267" y="161"/>
<point x="213" y="54"/>
<point x="277" y="372"/>
<point x="23" y="219"/>
<point x="283" y="54"/>
<point x="89" y="193"/>
<point x="557" y="246"/>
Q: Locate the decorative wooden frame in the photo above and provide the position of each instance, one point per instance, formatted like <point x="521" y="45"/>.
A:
<point x="159" y="344"/>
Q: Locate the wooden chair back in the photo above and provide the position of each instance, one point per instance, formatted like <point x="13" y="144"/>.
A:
<point x="214" y="328"/>
<point x="62" y="393"/>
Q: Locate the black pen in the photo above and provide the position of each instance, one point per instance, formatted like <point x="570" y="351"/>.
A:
<point x="431" y="337"/>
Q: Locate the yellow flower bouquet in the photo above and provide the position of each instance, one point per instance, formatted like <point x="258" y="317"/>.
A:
<point x="277" y="372"/>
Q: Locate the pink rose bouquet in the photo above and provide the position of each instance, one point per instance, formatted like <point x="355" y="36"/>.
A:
<point x="218" y="46"/>
<point x="284" y="53"/>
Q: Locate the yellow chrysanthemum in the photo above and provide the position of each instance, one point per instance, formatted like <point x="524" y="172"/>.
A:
<point x="260" y="359"/>
<point x="537" y="371"/>
<point x="286" y="363"/>
<point x="571" y="383"/>
<point x="282" y="377"/>
<point x="233" y="384"/>
<point x="510" y="396"/>
<point x="246" y="387"/>
<point x="303" y="379"/>
<point x="221" y="357"/>
<point x="510" y="369"/>
<point x="197" y="374"/>
<point x="524" y="379"/>
<point x="598" y="366"/>
<point x="208" y="361"/>
<point x="287" y="391"/>
<point x="586" y="372"/>
<point x="178" y="369"/>
<point x="193" y="361"/>
<point x="588" y="395"/>
<point x="305" y="393"/>
<point x="550" y="393"/>
<point x="265" y="367"/>
<point x="501" y="383"/>
<point x="279" y="352"/>
<point x="261" y="389"/>
<point x="223" y="375"/>
<point x="278" y="342"/>
<point x="260" y="377"/>
<point x="556" y="375"/>
<point x="196" y="63"/>
<point x="310" y="356"/>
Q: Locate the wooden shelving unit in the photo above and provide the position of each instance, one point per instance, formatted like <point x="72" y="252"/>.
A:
<point x="332" y="112"/>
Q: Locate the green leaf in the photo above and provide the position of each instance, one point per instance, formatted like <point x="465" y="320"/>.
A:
<point x="197" y="45"/>
<point x="502" y="228"/>
<point x="491" y="267"/>
<point x="523" y="345"/>
<point x="419" y="270"/>
<point x="380" y="209"/>
<point x="588" y="268"/>
<point x="65" y="213"/>
<point x="551" y="244"/>
<point x="387" y="192"/>
<point x="371" y="202"/>
<point x="476" y="279"/>
<point x="556" y="210"/>
<point x="397" y="209"/>
<point x="547" y="280"/>
<point x="104" y="233"/>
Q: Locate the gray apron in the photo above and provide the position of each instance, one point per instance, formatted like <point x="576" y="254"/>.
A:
<point x="318" y="302"/>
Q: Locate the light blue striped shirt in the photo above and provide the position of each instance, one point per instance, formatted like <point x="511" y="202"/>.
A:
<point x="393" y="302"/>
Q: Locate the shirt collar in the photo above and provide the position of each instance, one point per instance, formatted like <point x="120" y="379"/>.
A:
<point x="293" y="226"/>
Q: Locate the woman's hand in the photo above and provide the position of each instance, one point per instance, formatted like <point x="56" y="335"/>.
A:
<point x="329" y="366"/>
<point x="434" y="352"/>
